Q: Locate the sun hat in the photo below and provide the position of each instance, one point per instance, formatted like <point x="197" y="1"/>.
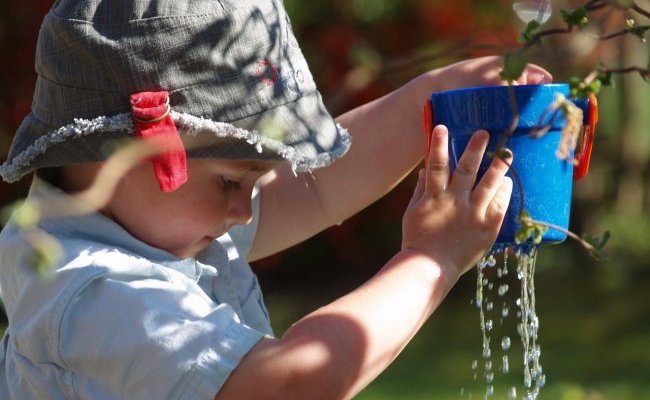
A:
<point x="232" y="71"/>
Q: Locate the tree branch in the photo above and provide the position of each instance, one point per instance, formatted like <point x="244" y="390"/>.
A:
<point x="640" y="10"/>
<point x="623" y="32"/>
<point x="644" y="72"/>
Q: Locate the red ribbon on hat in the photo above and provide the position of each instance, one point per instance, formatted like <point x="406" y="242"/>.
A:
<point x="153" y="122"/>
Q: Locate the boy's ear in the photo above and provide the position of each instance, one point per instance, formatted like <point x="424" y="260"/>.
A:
<point x="51" y="175"/>
<point x="78" y="177"/>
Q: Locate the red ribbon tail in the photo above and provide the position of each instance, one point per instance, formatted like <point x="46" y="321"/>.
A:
<point x="153" y="123"/>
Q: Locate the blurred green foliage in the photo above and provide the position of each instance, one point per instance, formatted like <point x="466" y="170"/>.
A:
<point x="593" y="314"/>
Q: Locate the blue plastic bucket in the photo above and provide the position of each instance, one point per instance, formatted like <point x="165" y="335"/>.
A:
<point x="545" y="179"/>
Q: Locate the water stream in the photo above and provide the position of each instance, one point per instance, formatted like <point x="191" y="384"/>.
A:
<point x="493" y="289"/>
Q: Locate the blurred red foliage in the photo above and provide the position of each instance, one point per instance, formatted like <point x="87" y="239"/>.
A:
<point x="19" y="24"/>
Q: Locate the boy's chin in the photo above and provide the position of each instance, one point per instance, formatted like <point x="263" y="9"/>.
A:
<point x="194" y="249"/>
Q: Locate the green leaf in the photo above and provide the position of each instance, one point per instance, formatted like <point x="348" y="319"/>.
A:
<point x="513" y="66"/>
<point x="605" y="79"/>
<point x="46" y="254"/>
<point x="579" y="88"/>
<point x="528" y="32"/>
<point x="597" y="243"/>
<point x="638" y="31"/>
<point x="529" y="230"/>
<point x="504" y="154"/>
<point x="26" y="215"/>
<point x="577" y="17"/>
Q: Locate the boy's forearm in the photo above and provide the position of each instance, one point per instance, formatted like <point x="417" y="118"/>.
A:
<point x="337" y="350"/>
<point x="387" y="143"/>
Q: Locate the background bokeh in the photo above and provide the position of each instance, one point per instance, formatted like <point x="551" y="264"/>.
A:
<point x="594" y="316"/>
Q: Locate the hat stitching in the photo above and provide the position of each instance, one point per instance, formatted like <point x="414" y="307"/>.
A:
<point x="132" y="21"/>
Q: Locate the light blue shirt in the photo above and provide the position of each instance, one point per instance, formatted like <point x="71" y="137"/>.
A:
<point x="119" y="319"/>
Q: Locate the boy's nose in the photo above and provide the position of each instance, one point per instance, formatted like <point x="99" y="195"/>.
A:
<point x="239" y="207"/>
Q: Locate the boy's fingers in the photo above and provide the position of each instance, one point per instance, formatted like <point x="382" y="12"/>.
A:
<point x="464" y="176"/>
<point x="437" y="168"/>
<point x="419" y="188"/>
<point x="497" y="208"/>
<point x="535" y="75"/>
<point x="491" y="181"/>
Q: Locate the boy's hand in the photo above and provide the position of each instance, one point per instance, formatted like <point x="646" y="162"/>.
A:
<point x="452" y="220"/>
<point x="484" y="71"/>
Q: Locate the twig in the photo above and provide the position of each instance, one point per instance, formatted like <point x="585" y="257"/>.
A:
<point x="517" y="179"/>
<point x="531" y="222"/>
<point x="640" y="10"/>
<point x="644" y="72"/>
<point x="594" y="5"/>
<point x="623" y="32"/>
<point x="539" y="35"/>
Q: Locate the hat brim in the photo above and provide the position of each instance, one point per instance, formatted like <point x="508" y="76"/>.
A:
<point x="301" y="132"/>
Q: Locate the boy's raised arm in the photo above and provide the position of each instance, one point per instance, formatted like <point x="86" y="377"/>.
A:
<point x="387" y="144"/>
<point x="337" y="350"/>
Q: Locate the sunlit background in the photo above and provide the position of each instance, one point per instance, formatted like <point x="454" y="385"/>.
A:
<point x="594" y="315"/>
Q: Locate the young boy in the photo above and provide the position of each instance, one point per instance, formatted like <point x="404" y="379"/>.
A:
<point x="153" y="297"/>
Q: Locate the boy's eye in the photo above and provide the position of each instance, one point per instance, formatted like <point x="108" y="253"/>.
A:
<point x="229" y="184"/>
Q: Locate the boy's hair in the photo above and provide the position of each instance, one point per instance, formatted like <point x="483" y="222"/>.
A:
<point x="229" y="74"/>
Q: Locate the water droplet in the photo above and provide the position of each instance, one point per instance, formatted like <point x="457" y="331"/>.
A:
<point x="505" y="343"/>
<point x="486" y="352"/>
<point x="527" y="324"/>
<point x="505" y="365"/>
<point x="527" y="378"/>
<point x="529" y="10"/>
<point x="489" y="391"/>
<point x="505" y="311"/>
<point x="474" y="364"/>
<point x="491" y="261"/>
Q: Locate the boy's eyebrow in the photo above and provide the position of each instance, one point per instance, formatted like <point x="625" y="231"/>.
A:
<point x="262" y="166"/>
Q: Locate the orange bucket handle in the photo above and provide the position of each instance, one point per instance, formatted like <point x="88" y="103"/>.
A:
<point x="583" y="156"/>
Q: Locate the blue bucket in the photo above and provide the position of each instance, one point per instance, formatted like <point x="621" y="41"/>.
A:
<point x="545" y="179"/>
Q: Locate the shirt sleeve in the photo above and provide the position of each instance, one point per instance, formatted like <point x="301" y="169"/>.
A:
<point x="151" y="338"/>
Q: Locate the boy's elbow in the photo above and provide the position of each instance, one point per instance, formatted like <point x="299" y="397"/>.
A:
<point x="302" y="365"/>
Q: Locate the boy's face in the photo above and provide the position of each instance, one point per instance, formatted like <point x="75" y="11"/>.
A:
<point x="216" y="196"/>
